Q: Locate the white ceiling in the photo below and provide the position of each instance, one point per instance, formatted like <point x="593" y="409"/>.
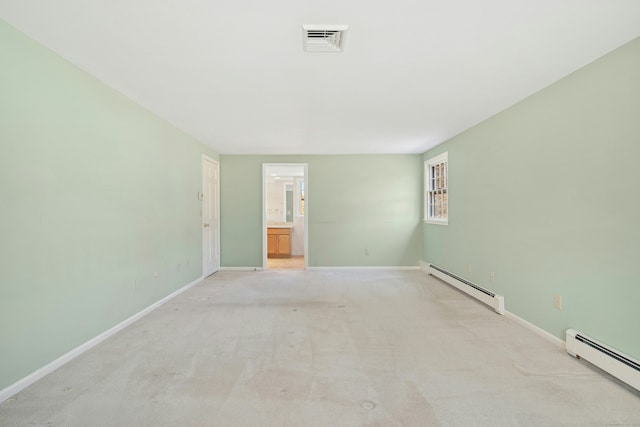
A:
<point x="414" y="73"/>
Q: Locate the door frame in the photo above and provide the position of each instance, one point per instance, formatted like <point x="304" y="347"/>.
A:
<point x="305" y="167"/>
<point x="216" y="204"/>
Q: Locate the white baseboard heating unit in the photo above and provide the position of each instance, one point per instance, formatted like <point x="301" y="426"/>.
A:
<point x="618" y="364"/>
<point x="492" y="300"/>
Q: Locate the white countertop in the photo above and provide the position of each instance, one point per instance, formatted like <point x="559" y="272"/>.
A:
<point x="281" y="225"/>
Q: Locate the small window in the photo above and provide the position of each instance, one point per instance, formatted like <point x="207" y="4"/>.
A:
<point x="436" y="183"/>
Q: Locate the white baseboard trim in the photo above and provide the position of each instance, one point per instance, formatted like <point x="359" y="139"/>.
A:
<point x="400" y="267"/>
<point x="328" y="268"/>
<point x="535" y="329"/>
<point x="25" y="382"/>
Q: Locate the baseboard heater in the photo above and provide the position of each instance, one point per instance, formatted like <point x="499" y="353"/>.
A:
<point x="493" y="300"/>
<point x="618" y="364"/>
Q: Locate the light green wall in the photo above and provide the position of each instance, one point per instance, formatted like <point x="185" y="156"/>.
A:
<point x="354" y="203"/>
<point x="546" y="195"/>
<point x="96" y="193"/>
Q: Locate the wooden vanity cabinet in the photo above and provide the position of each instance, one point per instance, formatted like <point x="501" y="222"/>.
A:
<point x="279" y="242"/>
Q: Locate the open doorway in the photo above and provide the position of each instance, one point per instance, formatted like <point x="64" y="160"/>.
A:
<point x="284" y="207"/>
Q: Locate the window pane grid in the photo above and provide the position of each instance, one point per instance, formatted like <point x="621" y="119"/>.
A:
<point x="436" y="196"/>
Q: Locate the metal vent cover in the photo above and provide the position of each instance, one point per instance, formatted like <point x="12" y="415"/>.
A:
<point x="323" y="38"/>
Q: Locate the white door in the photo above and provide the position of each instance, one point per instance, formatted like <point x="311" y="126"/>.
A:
<point x="210" y="217"/>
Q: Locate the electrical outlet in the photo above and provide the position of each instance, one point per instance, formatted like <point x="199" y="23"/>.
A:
<point x="155" y="275"/>
<point x="366" y="251"/>
<point x="493" y="276"/>
<point x="557" y="302"/>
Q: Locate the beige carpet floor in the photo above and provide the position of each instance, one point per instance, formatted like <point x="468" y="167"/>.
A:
<point x="324" y="348"/>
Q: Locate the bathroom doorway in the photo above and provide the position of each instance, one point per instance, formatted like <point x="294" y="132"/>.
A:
<point x="285" y="212"/>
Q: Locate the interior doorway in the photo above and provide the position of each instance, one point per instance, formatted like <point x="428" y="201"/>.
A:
<point x="285" y="216"/>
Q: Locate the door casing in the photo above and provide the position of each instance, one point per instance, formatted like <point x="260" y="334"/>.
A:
<point x="265" y="167"/>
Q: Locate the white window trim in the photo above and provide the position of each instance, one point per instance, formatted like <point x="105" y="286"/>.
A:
<point x="427" y="167"/>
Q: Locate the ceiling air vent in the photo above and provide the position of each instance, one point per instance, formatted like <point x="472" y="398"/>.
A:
<point x="323" y="38"/>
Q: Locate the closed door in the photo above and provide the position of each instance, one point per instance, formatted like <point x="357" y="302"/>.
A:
<point x="210" y="217"/>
